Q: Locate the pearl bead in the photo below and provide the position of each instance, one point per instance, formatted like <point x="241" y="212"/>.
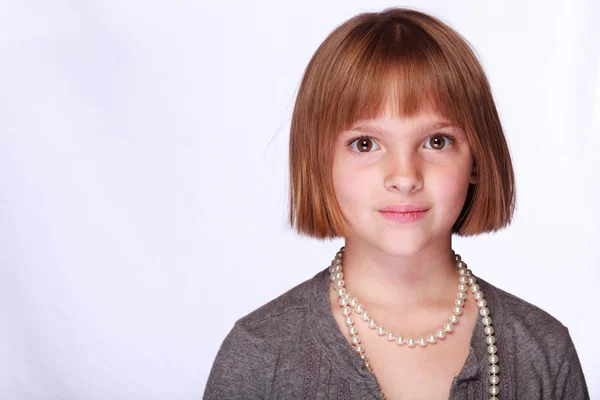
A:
<point x="372" y="324"/>
<point x="390" y="336"/>
<point x="400" y="340"/>
<point x="475" y="288"/>
<point x="380" y="330"/>
<point x="365" y="316"/>
<point x="337" y="275"/>
<point x="461" y="264"/>
<point x="462" y="287"/>
<point x="355" y="340"/>
<point x="368" y="366"/>
<point x="487" y="321"/>
<point x="440" y="333"/>
<point x="448" y="327"/>
<point x="343" y="301"/>
<point x="341" y="291"/>
<point x="338" y="284"/>
<point x="493" y="359"/>
<point x="472" y="280"/>
<point x="363" y="357"/>
<point x="494" y="390"/>
<point x="489" y="330"/>
<point x="359" y="308"/>
<point x="484" y="311"/>
<point x="490" y="340"/>
<point x="462" y="271"/>
<point x="352" y="331"/>
<point x="346" y="311"/>
<point x="494" y="369"/>
<point x="349" y="321"/>
<point x="492" y="349"/>
<point x="431" y="338"/>
<point x="463" y="279"/>
<point x="459" y="302"/>
<point x="458" y="310"/>
<point x="481" y="303"/>
<point x="421" y="341"/>
<point x="461" y="295"/>
<point x="353" y="302"/>
<point x="453" y="318"/>
<point x="359" y="349"/>
<point x="469" y="272"/>
<point x="410" y="342"/>
<point x="478" y="295"/>
<point x="457" y="257"/>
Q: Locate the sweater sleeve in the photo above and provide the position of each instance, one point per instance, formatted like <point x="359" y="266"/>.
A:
<point x="570" y="381"/>
<point x="237" y="372"/>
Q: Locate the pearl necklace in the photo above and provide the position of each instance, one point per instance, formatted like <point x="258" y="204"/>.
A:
<point x="465" y="277"/>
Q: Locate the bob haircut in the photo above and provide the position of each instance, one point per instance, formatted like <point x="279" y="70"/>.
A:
<point x="409" y="61"/>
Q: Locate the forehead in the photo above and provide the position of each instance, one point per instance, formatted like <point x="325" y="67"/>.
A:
<point x="390" y="122"/>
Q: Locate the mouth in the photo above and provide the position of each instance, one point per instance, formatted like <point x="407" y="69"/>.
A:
<point x="403" y="216"/>
<point x="404" y="208"/>
<point x="404" y="212"/>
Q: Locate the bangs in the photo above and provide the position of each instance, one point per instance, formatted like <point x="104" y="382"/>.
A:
<point x="393" y="69"/>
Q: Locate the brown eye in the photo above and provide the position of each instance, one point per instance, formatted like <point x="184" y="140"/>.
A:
<point x="364" y="145"/>
<point x="438" y="142"/>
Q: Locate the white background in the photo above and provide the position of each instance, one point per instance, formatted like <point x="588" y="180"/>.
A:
<point x="143" y="173"/>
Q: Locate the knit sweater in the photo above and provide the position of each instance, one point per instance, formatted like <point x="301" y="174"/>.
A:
<point x="292" y="348"/>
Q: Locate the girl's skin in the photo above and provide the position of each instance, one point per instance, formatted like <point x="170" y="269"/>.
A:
<point x="403" y="273"/>
<point x="407" y="161"/>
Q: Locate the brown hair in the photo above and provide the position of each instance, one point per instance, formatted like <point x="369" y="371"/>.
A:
<point x="413" y="61"/>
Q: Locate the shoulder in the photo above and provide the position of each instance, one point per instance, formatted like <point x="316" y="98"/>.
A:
<point x="284" y="312"/>
<point x="521" y="310"/>
<point x="259" y="339"/>
<point x="533" y="329"/>
<point x="526" y="320"/>
<point x="538" y="346"/>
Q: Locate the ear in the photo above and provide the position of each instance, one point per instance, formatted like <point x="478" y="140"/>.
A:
<point x="474" y="178"/>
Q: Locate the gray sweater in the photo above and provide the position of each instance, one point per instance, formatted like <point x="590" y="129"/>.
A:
<point x="292" y="348"/>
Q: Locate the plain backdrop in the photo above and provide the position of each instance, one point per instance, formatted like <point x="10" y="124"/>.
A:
<point x="143" y="179"/>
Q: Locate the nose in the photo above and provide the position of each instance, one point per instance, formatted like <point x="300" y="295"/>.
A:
<point x="403" y="174"/>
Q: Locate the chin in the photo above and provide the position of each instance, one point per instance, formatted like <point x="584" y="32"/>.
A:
<point x="401" y="245"/>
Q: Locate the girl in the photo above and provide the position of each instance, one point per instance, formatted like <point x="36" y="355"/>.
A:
<point x="396" y="145"/>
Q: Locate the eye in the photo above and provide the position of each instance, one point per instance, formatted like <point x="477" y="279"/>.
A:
<point x="438" y="142"/>
<point x="364" y="145"/>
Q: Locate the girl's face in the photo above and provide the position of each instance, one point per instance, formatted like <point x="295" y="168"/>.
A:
<point x="421" y="162"/>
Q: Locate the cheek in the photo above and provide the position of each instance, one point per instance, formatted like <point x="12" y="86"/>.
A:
<point x="345" y="188"/>
<point x="452" y="190"/>
<point x="351" y="189"/>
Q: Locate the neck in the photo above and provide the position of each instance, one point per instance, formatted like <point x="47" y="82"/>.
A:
<point x="425" y="278"/>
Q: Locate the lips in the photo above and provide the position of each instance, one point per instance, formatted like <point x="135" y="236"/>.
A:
<point x="404" y="208"/>
<point x="404" y="212"/>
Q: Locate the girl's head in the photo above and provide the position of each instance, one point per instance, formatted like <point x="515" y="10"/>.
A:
<point x="394" y="108"/>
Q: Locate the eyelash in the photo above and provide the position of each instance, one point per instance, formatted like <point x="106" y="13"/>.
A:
<point x="359" y="153"/>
